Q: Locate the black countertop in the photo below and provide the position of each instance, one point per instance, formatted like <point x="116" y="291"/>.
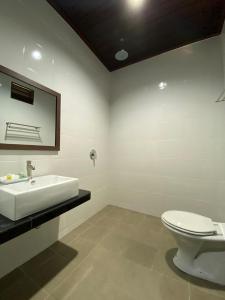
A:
<point x="10" y="229"/>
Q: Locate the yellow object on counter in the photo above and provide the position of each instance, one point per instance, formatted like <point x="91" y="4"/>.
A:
<point x="9" y="177"/>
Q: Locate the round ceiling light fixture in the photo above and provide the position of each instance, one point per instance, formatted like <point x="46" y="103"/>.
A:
<point x="121" y="55"/>
<point x="162" y="85"/>
<point x="136" y="4"/>
<point x="36" y="54"/>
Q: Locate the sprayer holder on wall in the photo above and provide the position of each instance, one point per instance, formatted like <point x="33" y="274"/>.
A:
<point x="221" y="97"/>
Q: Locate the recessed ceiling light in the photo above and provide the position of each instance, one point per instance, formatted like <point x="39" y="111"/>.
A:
<point x="121" y="55"/>
<point x="36" y="54"/>
<point x="162" y="85"/>
<point x="135" y="4"/>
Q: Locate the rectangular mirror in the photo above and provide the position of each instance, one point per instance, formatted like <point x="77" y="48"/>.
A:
<point x="29" y="114"/>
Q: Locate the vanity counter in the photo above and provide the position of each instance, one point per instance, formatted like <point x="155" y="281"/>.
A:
<point x="10" y="229"/>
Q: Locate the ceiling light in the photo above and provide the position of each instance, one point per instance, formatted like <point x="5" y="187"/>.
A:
<point x="135" y="4"/>
<point x="121" y="55"/>
<point x="162" y="85"/>
<point x="36" y="54"/>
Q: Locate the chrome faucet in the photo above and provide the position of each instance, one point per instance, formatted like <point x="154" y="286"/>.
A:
<point x="30" y="168"/>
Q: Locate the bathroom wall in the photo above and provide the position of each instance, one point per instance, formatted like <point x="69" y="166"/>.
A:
<point x="167" y="145"/>
<point x="69" y="67"/>
<point x="223" y="49"/>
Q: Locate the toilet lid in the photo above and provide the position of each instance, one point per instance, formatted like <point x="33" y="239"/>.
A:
<point x="189" y="222"/>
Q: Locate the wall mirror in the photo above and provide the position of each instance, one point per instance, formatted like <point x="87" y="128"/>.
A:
<point x="29" y="114"/>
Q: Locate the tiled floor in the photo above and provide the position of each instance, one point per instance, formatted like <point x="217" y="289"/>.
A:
<point x="116" y="255"/>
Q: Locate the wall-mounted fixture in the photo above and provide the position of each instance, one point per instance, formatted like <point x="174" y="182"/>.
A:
<point x="221" y="97"/>
<point x="22" y="131"/>
<point x="93" y="155"/>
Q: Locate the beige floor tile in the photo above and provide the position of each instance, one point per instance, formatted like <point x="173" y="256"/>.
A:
<point x="64" y="250"/>
<point x="17" y="286"/>
<point x="116" y="255"/>
<point x="116" y="243"/>
<point x="68" y="286"/>
<point x="110" y="212"/>
<point x="136" y="280"/>
<point x="93" y="279"/>
<point x="145" y="284"/>
<point x="131" y="217"/>
<point x="95" y="233"/>
<point x="166" y="240"/>
<point x="37" y="261"/>
<point x="153" y="223"/>
<point x="114" y="292"/>
<point x="168" y="288"/>
<point x="75" y="251"/>
<point x="108" y="222"/>
<point x="145" y="234"/>
<point x="196" y="294"/>
<point x="163" y="263"/>
<point x="74" y="234"/>
<point x="116" y="212"/>
<point x="51" y="273"/>
<point x="97" y="217"/>
<point x="141" y="254"/>
<point x="98" y="288"/>
<point x="207" y="287"/>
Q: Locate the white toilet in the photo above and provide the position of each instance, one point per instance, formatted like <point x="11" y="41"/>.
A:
<point x="201" y="244"/>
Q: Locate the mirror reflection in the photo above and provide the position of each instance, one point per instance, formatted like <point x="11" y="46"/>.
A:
<point x="27" y="115"/>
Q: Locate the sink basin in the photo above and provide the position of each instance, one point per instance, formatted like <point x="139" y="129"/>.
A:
<point x="22" y="199"/>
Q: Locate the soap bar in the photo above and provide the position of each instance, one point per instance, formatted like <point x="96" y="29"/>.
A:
<point x="12" y="178"/>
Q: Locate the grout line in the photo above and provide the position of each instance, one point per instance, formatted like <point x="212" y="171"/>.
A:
<point x="35" y="283"/>
<point x="189" y="291"/>
<point x="81" y="262"/>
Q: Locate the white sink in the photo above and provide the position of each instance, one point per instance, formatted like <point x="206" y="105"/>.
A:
<point x="22" y="199"/>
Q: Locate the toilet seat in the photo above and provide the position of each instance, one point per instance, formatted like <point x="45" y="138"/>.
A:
<point x="189" y="223"/>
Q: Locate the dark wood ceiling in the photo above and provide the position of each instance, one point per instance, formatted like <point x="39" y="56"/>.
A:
<point x="143" y="31"/>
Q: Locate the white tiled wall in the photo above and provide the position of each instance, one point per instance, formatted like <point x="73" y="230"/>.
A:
<point x="168" y="146"/>
<point x="70" y="68"/>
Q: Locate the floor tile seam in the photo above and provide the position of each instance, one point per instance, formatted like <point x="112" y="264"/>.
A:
<point x="189" y="291"/>
<point x="79" y="264"/>
<point x="35" y="282"/>
<point x="100" y="239"/>
<point x="171" y="277"/>
<point x="188" y="282"/>
<point x="75" y="286"/>
<point x="209" y="291"/>
<point x="56" y="253"/>
<point x="148" y="244"/>
<point x="40" y="264"/>
<point x="76" y="236"/>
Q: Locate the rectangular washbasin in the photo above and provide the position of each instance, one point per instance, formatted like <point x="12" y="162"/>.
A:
<point x="22" y="199"/>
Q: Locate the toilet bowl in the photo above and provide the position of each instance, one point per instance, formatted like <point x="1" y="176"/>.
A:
<point x="201" y="244"/>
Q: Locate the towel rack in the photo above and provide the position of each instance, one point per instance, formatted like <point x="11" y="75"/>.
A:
<point x="22" y="132"/>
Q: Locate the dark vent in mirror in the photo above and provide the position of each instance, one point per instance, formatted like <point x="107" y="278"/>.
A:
<point x="22" y="93"/>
